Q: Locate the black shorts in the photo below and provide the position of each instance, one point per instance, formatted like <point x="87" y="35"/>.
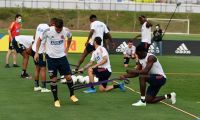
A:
<point x="42" y="59"/>
<point x="90" y="48"/>
<point x="58" y="64"/>
<point x="145" y="46"/>
<point x="102" y="74"/>
<point x="126" y="60"/>
<point x="155" y="83"/>
<point x="18" y="47"/>
<point x="10" y="47"/>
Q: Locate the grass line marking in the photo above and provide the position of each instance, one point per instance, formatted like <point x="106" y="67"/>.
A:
<point x="176" y="108"/>
<point x="197" y="74"/>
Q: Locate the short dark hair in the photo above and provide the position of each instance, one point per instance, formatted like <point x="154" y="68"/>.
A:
<point x="140" y="48"/>
<point x="53" y="19"/>
<point x="142" y="16"/>
<point x="18" y="15"/>
<point x="98" y="40"/>
<point x="93" y="16"/>
<point x="130" y="41"/>
<point x="59" y="23"/>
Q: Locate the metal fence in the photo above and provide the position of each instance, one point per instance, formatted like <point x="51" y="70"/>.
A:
<point x="116" y="5"/>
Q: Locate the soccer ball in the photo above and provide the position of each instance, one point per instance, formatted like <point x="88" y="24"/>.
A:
<point x="96" y="79"/>
<point x="74" y="79"/>
<point x="80" y="79"/>
<point x="62" y="79"/>
<point x="86" y="79"/>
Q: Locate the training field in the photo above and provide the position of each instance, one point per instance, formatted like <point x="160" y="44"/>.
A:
<point x="18" y="101"/>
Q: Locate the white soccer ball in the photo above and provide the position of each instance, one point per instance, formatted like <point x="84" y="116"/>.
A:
<point x="62" y="79"/>
<point x="86" y="79"/>
<point x="96" y="79"/>
<point x="80" y="79"/>
<point x="74" y="79"/>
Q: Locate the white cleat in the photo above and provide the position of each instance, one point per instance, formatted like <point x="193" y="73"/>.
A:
<point x="45" y="90"/>
<point x="173" y="97"/>
<point x="37" y="88"/>
<point x="139" y="103"/>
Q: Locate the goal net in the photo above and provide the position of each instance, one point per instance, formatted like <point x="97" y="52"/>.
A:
<point x="176" y="26"/>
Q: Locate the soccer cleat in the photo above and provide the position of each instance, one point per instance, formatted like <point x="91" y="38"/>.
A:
<point x="25" y="75"/>
<point x="139" y="103"/>
<point x="74" y="98"/>
<point x="57" y="103"/>
<point x="45" y="90"/>
<point x="7" y="66"/>
<point x="173" y="97"/>
<point x="90" y="90"/>
<point x="15" y="65"/>
<point x="122" y="87"/>
<point x="37" y="88"/>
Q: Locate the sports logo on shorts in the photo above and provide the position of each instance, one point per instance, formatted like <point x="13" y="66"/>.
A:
<point x="182" y="49"/>
<point x="50" y="73"/>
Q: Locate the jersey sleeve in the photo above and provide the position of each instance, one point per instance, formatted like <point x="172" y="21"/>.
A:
<point x="92" y="26"/>
<point x="11" y="25"/>
<point x="69" y="33"/>
<point x="43" y="36"/>
<point x="104" y="52"/>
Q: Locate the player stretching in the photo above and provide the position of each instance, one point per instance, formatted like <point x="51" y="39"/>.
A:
<point x="40" y="66"/>
<point x="102" y="69"/>
<point x="129" y="52"/>
<point x="22" y="45"/>
<point x="56" y="56"/>
<point x="149" y="71"/>
<point x="97" y="29"/>
<point x="145" y="32"/>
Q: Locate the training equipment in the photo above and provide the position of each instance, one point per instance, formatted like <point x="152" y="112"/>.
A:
<point x="74" y="98"/>
<point x="86" y="79"/>
<point x="90" y="90"/>
<point x="62" y="79"/>
<point x="96" y="79"/>
<point x="139" y="103"/>
<point x="37" y="88"/>
<point x="173" y="97"/>
<point x="80" y="86"/>
<point x="122" y="87"/>
<point x="80" y="79"/>
<point x="74" y="79"/>
<point x="45" y="90"/>
<point x="57" y="103"/>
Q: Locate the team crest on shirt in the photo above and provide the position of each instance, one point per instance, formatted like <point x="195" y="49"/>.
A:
<point x="62" y="37"/>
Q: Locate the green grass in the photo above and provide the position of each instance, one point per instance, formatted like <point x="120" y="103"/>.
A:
<point x="19" y="102"/>
<point x="191" y="37"/>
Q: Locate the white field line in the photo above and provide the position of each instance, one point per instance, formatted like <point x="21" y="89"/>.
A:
<point x="198" y="74"/>
<point x="176" y="108"/>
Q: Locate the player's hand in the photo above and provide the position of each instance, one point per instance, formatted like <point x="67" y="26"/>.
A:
<point x="80" y="70"/>
<point x="122" y="77"/>
<point x="36" y="57"/>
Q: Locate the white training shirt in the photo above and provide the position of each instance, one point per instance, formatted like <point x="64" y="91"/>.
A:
<point x="99" y="30"/>
<point x="98" y="55"/>
<point x="40" y="29"/>
<point x="155" y="69"/>
<point x="25" y="40"/>
<point x="55" y="42"/>
<point x="129" y="51"/>
<point x="145" y="34"/>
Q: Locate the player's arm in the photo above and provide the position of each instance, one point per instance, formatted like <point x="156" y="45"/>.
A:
<point x="69" y="40"/>
<point x="131" y="73"/>
<point x="9" y="30"/>
<point x="38" y="44"/>
<point x="89" y="36"/>
<point x="86" y="66"/>
<point x="148" y="25"/>
<point x="103" y="61"/>
<point x="109" y="36"/>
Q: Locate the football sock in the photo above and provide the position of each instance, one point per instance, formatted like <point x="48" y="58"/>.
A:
<point x="115" y="86"/>
<point x="54" y="90"/>
<point x="23" y="72"/>
<point x="70" y="84"/>
<point x="43" y="83"/>
<point x="36" y="83"/>
<point x="167" y="96"/>
<point x="143" y="99"/>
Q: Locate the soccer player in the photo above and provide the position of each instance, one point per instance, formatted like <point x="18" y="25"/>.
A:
<point x="97" y="29"/>
<point x="149" y="71"/>
<point x="22" y="45"/>
<point x="40" y="65"/>
<point x="101" y="70"/>
<point x="145" y="32"/>
<point x="56" y="56"/>
<point x="14" y="30"/>
<point x="129" y="52"/>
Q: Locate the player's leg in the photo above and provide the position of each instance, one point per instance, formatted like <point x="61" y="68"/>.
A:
<point x="24" y="74"/>
<point x="126" y="61"/>
<point x="52" y="70"/>
<point x="89" y="48"/>
<point x="65" y="70"/>
<point x="91" y="73"/>
<point x="14" y="58"/>
<point x="7" y="58"/>
<point x="36" y="78"/>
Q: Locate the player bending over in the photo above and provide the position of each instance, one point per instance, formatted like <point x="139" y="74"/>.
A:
<point x="97" y="29"/>
<point x="40" y="65"/>
<point x="129" y="53"/>
<point x="56" y="57"/>
<point x="102" y="69"/>
<point x="149" y="71"/>
<point x="22" y="45"/>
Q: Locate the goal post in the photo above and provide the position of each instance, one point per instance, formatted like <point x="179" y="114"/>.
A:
<point x="176" y="26"/>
